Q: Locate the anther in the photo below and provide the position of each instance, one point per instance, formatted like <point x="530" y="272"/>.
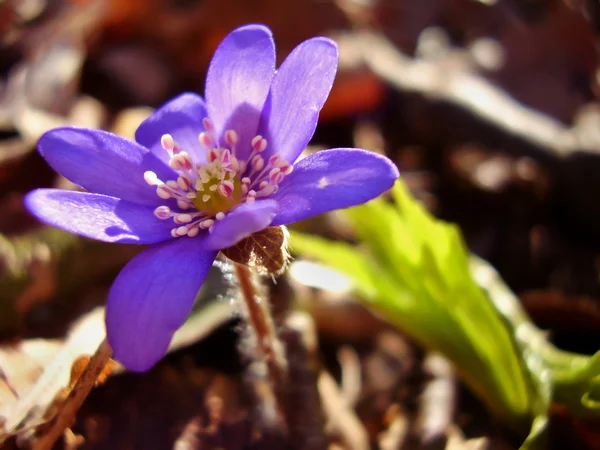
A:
<point x="225" y="157"/>
<point x="205" y="140"/>
<point x="151" y="178"/>
<point x="186" y="160"/>
<point x="167" y="142"/>
<point x="182" y="231"/>
<point x="287" y="168"/>
<point x="193" y="232"/>
<point x="274" y="160"/>
<point x="212" y="154"/>
<point x="206" y="223"/>
<point x="258" y="144"/>
<point x="231" y="138"/>
<point x="220" y="216"/>
<point x="183" y="218"/>
<point x="162" y="212"/>
<point x="163" y="192"/>
<point x="257" y="163"/>
<point x="267" y="190"/>
<point x="226" y="188"/>
<point x="207" y="124"/>
<point x="183" y="182"/>
<point x="175" y="163"/>
<point x="182" y="204"/>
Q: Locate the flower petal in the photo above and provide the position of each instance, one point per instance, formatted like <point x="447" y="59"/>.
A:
<point x="96" y="216"/>
<point x="104" y="163"/>
<point x="332" y="179"/>
<point x="151" y="298"/>
<point x="182" y="119"/>
<point x="241" y="223"/>
<point x="238" y="81"/>
<point x="297" y="95"/>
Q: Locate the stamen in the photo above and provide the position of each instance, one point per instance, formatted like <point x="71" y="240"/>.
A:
<point x="231" y="138"/>
<point x="205" y="192"/>
<point x="163" y="192"/>
<point x="167" y="142"/>
<point x="274" y="160"/>
<point x="162" y="212"/>
<point x="183" y="218"/>
<point x="186" y="160"/>
<point x="206" y="223"/>
<point x="212" y="154"/>
<point x="258" y="144"/>
<point x="205" y="139"/>
<point x="183" y="182"/>
<point x="151" y="178"/>
<point x="287" y="168"/>
<point x="266" y="191"/>
<point x="257" y="163"/>
<point x="184" y="204"/>
<point x="226" y="188"/>
<point x="225" y="157"/>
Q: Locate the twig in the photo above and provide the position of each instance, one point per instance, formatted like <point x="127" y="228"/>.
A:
<point x="343" y="419"/>
<point x="305" y="412"/>
<point x="66" y="416"/>
<point x="465" y="89"/>
<point x="262" y="323"/>
<point x="438" y="401"/>
<point x="351" y="374"/>
<point x="395" y="435"/>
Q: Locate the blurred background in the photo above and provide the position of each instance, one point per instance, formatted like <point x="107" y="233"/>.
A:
<point x="489" y="108"/>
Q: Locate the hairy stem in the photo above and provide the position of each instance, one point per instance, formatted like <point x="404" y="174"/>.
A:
<point x="271" y="348"/>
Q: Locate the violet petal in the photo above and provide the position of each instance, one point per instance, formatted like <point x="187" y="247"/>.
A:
<point x="240" y="223"/>
<point x="238" y="81"/>
<point x="104" y="163"/>
<point x="151" y="298"/>
<point x="297" y="95"/>
<point x="181" y="118"/>
<point x="100" y="217"/>
<point x="332" y="179"/>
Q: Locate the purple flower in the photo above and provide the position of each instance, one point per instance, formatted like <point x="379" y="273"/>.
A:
<point x="202" y="176"/>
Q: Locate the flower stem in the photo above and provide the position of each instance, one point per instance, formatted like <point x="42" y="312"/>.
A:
<point x="271" y="348"/>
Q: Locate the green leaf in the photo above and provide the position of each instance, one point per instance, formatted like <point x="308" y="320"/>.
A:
<point x="415" y="271"/>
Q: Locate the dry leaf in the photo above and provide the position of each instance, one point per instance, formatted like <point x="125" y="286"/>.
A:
<point x="265" y="251"/>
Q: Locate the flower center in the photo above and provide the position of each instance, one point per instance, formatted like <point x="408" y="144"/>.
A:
<point x="215" y="195"/>
<point x="205" y="192"/>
